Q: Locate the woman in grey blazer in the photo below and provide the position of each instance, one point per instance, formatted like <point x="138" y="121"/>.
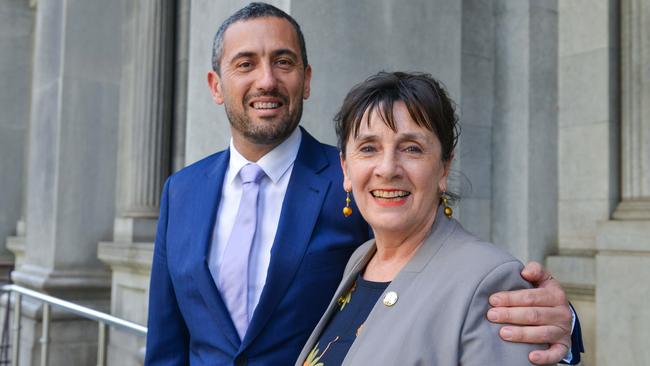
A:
<point x="417" y="294"/>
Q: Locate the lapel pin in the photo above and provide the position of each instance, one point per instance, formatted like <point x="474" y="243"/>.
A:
<point x="390" y="299"/>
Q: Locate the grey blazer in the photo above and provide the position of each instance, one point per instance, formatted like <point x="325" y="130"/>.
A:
<point x="442" y="300"/>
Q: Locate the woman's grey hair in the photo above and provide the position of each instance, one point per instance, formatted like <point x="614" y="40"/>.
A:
<point x="253" y="11"/>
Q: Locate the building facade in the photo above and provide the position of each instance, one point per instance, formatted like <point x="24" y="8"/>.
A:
<point x="103" y="100"/>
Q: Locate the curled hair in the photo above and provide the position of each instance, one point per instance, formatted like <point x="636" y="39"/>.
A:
<point x="427" y="102"/>
<point x="253" y="11"/>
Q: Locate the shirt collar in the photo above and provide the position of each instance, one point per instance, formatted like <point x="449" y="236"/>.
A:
<point x="274" y="164"/>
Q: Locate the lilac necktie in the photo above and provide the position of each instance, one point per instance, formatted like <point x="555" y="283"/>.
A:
<point x="233" y="274"/>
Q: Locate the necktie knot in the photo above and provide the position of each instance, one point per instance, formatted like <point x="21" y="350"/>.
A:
<point x="251" y="173"/>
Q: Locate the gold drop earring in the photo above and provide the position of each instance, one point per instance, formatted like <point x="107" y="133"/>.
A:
<point x="445" y="202"/>
<point x="347" y="211"/>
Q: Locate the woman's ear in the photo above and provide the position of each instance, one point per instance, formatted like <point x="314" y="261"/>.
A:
<point x="446" y="165"/>
<point x="347" y="184"/>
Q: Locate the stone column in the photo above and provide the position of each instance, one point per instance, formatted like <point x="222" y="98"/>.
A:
<point x="473" y="157"/>
<point x="623" y="260"/>
<point x="145" y="117"/>
<point x="181" y="81"/>
<point x="143" y="163"/>
<point x="588" y="148"/>
<point x="524" y="137"/>
<point x="635" y="111"/>
<point x="16" y="27"/>
<point x="70" y="185"/>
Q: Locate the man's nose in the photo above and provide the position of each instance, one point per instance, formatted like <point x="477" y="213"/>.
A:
<point x="266" y="80"/>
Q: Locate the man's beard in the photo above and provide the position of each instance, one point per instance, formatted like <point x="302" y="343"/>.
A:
<point x="265" y="134"/>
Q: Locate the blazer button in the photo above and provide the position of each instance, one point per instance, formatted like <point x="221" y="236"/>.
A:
<point x="241" y="361"/>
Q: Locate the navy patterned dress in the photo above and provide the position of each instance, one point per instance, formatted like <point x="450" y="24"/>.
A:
<point x="344" y="326"/>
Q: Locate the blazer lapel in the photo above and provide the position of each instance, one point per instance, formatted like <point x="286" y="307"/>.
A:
<point x="207" y="193"/>
<point x="440" y="232"/>
<point x="300" y="209"/>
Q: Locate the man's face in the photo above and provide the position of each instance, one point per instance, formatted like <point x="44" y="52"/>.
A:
<point x="263" y="80"/>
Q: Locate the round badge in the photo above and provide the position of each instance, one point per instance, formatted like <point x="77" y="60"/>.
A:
<point x="390" y="299"/>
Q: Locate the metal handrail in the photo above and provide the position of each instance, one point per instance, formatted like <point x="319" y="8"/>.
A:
<point x="102" y="318"/>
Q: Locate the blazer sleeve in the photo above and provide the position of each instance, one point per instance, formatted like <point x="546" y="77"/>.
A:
<point x="167" y="334"/>
<point x="480" y="341"/>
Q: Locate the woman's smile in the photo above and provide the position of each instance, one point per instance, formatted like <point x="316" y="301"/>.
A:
<point x="390" y="197"/>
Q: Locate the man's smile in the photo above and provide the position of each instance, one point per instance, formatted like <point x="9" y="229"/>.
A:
<point x="266" y="105"/>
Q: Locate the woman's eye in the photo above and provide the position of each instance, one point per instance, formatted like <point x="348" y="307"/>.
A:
<point x="413" y="149"/>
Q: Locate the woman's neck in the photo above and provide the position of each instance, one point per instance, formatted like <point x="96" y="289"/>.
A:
<point x="394" y="250"/>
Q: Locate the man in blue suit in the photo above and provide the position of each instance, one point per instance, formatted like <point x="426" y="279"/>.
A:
<point x="207" y="306"/>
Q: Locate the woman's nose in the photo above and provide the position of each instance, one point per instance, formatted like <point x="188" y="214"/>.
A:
<point x="388" y="165"/>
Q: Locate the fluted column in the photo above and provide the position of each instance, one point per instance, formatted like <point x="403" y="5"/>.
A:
<point x="145" y="118"/>
<point x="144" y="162"/>
<point x="635" y="124"/>
<point x="623" y="260"/>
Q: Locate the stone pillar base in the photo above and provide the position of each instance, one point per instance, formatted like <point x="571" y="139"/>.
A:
<point x="633" y="210"/>
<point x="16" y="245"/>
<point x="135" y="229"/>
<point x="81" y="285"/>
<point x="623" y="314"/>
<point x="131" y="266"/>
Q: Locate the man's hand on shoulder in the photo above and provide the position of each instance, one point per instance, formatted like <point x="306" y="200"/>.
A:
<point x="538" y="315"/>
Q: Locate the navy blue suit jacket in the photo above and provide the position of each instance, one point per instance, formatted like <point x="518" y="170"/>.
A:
<point x="188" y="321"/>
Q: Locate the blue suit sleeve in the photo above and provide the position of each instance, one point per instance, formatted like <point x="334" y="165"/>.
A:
<point x="167" y="334"/>
<point x="577" y="346"/>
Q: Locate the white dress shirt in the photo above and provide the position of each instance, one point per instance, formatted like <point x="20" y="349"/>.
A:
<point x="278" y="165"/>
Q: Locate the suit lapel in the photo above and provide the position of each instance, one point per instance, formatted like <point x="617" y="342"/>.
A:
<point x="300" y="209"/>
<point x="206" y="195"/>
<point x="344" y="287"/>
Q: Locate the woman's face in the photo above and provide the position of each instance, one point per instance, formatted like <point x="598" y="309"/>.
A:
<point x="395" y="177"/>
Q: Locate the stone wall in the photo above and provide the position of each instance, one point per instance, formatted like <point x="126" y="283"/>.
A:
<point x="589" y="151"/>
<point x="553" y="99"/>
<point x="16" y="33"/>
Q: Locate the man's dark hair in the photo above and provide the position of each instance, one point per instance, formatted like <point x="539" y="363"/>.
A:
<point x="426" y="100"/>
<point x="253" y="11"/>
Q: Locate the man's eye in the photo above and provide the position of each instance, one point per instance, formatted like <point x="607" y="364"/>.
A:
<point x="245" y="65"/>
<point x="284" y="62"/>
<point x="367" y="148"/>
